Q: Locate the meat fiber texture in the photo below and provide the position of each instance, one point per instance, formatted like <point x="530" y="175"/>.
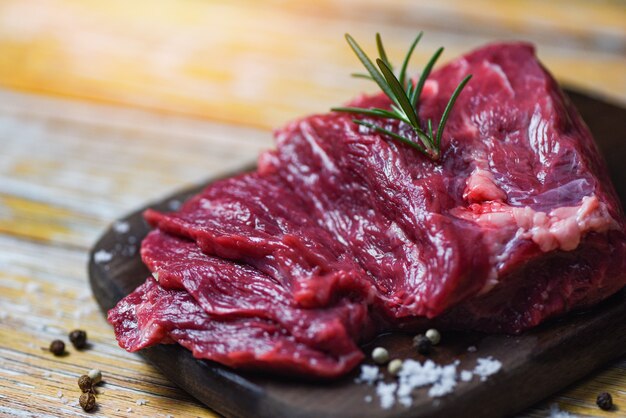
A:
<point x="343" y="233"/>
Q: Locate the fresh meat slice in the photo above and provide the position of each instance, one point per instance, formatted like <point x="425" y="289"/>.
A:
<point x="153" y="315"/>
<point x="228" y="290"/>
<point x="257" y="220"/>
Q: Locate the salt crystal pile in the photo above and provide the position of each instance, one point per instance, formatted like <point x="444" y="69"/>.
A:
<point x="442" y="379"/>
<point x="385" y="392"/>
<point x="486" y="367"/>
<point x="415" y="375"/>
<point x="369" y="374"/>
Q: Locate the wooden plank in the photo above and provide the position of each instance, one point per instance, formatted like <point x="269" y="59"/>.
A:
<point x="189" y="57"/>
<point x="32" y="380"/>
<point x="582" y="24"/>
<point x="65" y="175"/>
<point x="60" y="157"/>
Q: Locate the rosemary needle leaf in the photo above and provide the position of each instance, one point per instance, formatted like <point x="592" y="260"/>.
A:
<point x="446" y="112"/>
<point x="399" y="114"/>
<point x="422" y="80"/>
<point x="430" y="130"/>
<point x="404" y="95"/>
<point x="361" y="75"/>
<point x="409" y="89"/>
<point x="381" y="50"/>
<point x="372" y="112"/>
<point x="407" y="58"/>
<point x="378" y="78"/>
<point x="399" y="93"/>
<point x="391" y="134"/>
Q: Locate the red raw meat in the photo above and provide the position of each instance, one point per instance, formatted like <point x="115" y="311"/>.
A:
<point x="342" y="232"/>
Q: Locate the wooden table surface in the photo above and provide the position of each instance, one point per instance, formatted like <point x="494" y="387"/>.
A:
<point x="107" y="105"/>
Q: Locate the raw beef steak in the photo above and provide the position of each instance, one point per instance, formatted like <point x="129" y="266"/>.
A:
<point x="343" y="232"/>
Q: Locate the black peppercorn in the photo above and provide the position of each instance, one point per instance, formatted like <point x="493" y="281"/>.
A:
<point x="57" y="347"/>
<point x="78" y="338"/>
<point x="85" y="383"/>
<point x="87" y="401"/>
<point x="604" y="401"/>
<point x="422" y="344"/>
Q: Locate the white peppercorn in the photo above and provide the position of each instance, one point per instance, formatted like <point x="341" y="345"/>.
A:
<point x="95" y="375"/>
<point x="394" y="367"/>
<point x="433" y="335"/>
<point x="380" y="355"/>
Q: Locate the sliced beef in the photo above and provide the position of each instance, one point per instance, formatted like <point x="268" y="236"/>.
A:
<point x="342" y="232"/>
<point x="153" y="315"/>
<point x="228" y="290"/>
<point x="259" y="221"/>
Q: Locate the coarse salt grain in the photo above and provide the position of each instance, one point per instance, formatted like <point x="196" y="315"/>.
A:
<point x="446" y="382"/>
<point x="59" y="394"/>
<point x="369" y="374"/>
<point x="121" y="227"/>
<point x="129" y="409"/>
<point x="102" y="256"/>
<point x="472" y="349"/>
<point x="486" y="367"/>
<point x="368" y="398"/>
<point x="141" y="402"/>
<point x="466" y="375"/>
<point x="555" y="412"/>
<point x="385" y="392"/>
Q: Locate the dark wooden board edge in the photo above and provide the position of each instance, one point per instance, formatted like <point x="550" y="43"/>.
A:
<point x="557" y="353"/>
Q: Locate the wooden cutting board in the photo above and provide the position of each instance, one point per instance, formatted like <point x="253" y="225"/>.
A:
<point x="534" y="365"/>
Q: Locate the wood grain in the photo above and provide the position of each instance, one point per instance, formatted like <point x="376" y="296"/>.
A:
<point x="69" y="167"/>
<point x="249" y="62"/>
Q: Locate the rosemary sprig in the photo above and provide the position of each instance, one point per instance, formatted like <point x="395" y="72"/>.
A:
<point x="404" y="95"/>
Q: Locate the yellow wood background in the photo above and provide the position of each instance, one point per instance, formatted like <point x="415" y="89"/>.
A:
<point x="105" y="105"/>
